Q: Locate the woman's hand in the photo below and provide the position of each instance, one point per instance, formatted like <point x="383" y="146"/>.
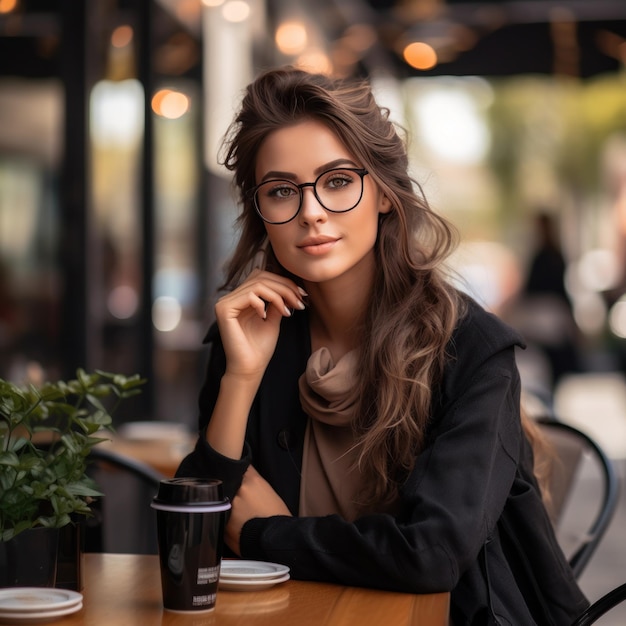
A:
<point x="249" y="320"/>
<point x="255" y="498"/>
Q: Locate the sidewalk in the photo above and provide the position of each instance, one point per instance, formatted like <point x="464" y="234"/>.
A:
<point x="596" y="403"/>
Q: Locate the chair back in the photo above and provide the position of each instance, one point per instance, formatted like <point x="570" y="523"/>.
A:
<point x="123" y="521"/>
<point x="584" y="491"/>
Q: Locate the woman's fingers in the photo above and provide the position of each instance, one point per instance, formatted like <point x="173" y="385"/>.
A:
<point x="261" y="291"/>
<point x="249" y="319"/>
<point x="279" y="292"/>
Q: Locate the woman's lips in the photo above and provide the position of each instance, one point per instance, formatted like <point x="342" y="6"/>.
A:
<point x="317" y="247"/>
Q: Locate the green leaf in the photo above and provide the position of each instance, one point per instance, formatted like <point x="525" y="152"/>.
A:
<point x="93" y="398"/>
<point x="17" y="443"/>
<point x="79" y="489"/>
<point x="30" y="462"/>
<point x="9" y="458"/>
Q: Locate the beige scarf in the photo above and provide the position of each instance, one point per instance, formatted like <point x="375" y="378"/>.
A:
<point x="328" y="393"/>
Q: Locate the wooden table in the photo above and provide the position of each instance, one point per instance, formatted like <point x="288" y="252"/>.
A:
<point x="163" y="456"/>
<point x="125" y="590"/>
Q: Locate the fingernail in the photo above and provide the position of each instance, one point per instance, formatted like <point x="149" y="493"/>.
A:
<point x="302" y="292"/>
<point x="301" y="305"/>
<point x="288" y="311"/>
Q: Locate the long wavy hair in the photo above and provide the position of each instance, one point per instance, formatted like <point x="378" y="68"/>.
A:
<point x="413" y="307"/>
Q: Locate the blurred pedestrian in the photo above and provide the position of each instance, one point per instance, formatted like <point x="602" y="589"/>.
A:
<point x="546" y="310"/>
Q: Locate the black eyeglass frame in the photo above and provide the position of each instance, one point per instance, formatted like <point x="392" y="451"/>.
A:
<point x="362" y="172"/>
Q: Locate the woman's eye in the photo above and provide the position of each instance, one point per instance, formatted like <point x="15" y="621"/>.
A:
<point x="338" y="182"/>
<point x="282" y="192"/>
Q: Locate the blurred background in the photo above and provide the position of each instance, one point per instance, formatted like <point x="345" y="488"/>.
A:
<point x="116" y="219"/>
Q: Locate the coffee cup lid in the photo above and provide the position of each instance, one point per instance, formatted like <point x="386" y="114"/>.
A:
<point x="190" y="491"/>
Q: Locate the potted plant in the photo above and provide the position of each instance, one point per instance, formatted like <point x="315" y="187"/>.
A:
<point x="46" y="435"/>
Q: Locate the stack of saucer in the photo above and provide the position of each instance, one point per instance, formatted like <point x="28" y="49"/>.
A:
<point x="238" y="575"/>
<point x="36" y="605"/>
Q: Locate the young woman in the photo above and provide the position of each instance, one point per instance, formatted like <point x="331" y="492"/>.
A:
<point x="363" y="414"/>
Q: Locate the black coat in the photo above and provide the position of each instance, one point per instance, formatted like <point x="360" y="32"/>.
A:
<point x="471" y="518"/>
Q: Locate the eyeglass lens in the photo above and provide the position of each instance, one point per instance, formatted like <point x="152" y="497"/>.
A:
<point x="337" y="190"/>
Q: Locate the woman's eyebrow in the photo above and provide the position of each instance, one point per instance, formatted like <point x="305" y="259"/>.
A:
<point x="273" y="174"/>
<point x="333" y="164"/>
<point x="276" y="174"/>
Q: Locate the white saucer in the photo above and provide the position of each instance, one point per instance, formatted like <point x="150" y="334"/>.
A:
<point x="234" y="569"/>
<point x="36" y="617"/>
<point x="250" y="585"/>
<point x="36" y="599"/>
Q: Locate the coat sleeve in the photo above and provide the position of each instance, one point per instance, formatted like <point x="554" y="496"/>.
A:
<point x="450" y="503"/>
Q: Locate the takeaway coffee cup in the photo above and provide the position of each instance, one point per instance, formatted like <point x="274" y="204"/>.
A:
<point x="190" y="527"/>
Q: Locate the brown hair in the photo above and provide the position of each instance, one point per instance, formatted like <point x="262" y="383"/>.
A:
<point x="544" y="456"/>
<point x="413" y="307"/>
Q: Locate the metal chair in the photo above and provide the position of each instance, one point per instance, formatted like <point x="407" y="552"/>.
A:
<point x="573" y="448"/>
<point x="600" y="607"/>
<point x="123" y="520"/>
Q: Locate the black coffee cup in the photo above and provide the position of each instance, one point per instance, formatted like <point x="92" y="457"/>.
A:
<point x="191" y="514"/>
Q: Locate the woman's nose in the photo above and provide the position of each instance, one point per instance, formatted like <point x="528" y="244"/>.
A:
<point x="311" y="210"/>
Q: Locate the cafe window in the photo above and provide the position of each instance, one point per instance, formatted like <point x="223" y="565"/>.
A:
<point x="29" y="229"/>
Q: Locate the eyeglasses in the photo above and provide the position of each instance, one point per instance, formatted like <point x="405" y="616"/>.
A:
<point x="338" y="191"/>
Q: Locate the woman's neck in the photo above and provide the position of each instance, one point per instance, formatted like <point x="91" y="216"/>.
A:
<point x="336" y="315"/>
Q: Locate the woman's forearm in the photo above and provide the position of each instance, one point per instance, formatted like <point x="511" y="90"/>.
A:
<point x="226" y="430"/>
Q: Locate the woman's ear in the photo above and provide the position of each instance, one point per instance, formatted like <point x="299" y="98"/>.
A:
<point x="384" y="205"/>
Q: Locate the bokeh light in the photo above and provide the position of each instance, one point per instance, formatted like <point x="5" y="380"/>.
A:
<point x="451" y="125"/>
<point x="170" y="104"/>
<point x="123" y="302"/>
<point x="617" y="318"/>
<point x="315" y="61"/>
<point x="420" y="55"/>
<point x="291" y="37"/>
<point x="166" y="313"/>
<point x="6" y="6"/>
<point x="598" y="270"/>
<point x="236" y="11"/>
<point x="116" y="112"/>
<point x="121" y="36"/>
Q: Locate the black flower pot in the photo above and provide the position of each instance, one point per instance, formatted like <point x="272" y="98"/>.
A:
<point x="30" y="559"/>
<point x="70" y="556"/>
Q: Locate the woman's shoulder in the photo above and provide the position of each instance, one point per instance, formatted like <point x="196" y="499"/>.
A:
<point x="481" y="344"/>
<point x="479" y="335"/>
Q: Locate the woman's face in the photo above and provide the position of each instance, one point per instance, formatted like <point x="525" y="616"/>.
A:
<point x="318" y="245"/>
